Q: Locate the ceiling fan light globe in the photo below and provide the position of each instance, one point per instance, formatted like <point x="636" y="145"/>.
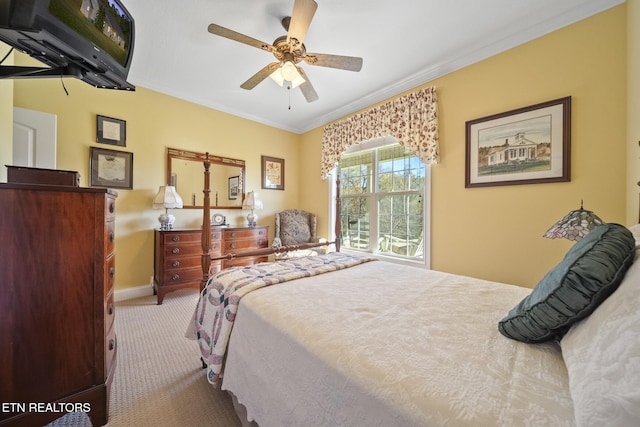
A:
<point x="297" y="81"/>
<point x="289" y="71"/>
<point x="278" y="77"/>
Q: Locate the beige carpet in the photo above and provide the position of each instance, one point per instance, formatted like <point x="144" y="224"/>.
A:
<point x="159" y="381"/>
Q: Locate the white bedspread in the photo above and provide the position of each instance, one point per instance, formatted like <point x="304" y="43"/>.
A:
<point x="384" y="345"/>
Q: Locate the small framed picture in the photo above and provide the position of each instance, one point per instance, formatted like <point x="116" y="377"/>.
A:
<point x="110" y="168"/>
<point x="234" y="184"/>
<point x="111" y="131"/>
<point x="530" y="145"/>
<point x="272" y="173"/>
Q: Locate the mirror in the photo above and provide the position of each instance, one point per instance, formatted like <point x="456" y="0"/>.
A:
<point x="185" y="171"/>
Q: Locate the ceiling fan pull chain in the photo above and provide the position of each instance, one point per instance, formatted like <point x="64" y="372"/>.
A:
<point x="289" y="89"/>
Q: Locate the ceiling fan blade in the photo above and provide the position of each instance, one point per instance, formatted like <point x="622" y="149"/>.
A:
<point x="307" y="89"/>
<point x="350" y="63"/>
<point x="303" y="11"/>
<point x="260" y="76"/>
<point x="235" y="36"/>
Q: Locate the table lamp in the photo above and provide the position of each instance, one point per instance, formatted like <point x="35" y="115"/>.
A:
<point x="167" y="198"/>
<point x="254" y="203"/>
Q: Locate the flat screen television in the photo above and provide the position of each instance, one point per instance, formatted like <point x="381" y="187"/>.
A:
<point x="89" y="39"/>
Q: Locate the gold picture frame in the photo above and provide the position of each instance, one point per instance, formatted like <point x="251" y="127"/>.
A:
<point x="272" y="173"/>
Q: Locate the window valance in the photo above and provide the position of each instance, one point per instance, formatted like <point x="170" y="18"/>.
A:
<point x="412" y="119"/>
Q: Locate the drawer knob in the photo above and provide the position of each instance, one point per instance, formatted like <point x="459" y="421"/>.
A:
<point x="112" y="272"/>
<point x="233" y="234"/>
<point x="112" y="344"/>
<point x="112" y="207"/>
<point x="110" y="311"/>
<point x="175" y="277"/>
<point x="176" y="238"/>
<point x="175" y="264"/>
<point x="214" y="246"/>
<point x="175" y="250"/>
<point x="232" y="245"/>
<point x="112" y="237"/>
<point x="260" y="241"/>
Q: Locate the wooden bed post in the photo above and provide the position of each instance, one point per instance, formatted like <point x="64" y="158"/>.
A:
<point x="206" y="225"/>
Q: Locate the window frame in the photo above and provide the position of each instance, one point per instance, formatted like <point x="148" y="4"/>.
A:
<point x="377" y="143"/>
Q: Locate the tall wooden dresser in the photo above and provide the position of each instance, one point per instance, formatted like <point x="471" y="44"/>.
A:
<point x="57" y="276"/>
<point x="178" y="254"/>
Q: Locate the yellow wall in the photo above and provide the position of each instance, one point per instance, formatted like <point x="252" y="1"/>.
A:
<point x="154" y="122"/>
<point x="496" y="232"/>
<point x="492" y="233"/>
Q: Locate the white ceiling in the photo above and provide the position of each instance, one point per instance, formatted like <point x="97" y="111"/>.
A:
<point x="404" y="43"/>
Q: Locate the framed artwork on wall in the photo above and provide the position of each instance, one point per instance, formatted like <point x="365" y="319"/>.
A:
<point x="529" y="145"/>
<point x="110" y="168"/>
<point x="234" y="184"/>
<point x="111" y="131"/>
<point x="272" y="173"/>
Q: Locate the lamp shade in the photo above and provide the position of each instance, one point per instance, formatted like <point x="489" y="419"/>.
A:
<point x="167" y="198"/>
<point x="575" y="225"/>
<point x="252" y="201"/>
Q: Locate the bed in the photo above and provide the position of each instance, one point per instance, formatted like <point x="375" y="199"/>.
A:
<point x="331" y="341"/>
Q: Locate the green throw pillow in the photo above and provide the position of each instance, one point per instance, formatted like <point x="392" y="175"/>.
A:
<point x="590" y="272"/>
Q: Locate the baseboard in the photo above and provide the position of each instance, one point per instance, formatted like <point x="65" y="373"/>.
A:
<point x="135" y="292"/>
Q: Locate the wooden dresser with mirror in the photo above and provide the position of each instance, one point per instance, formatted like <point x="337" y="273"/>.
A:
<point x="178" y="252"/>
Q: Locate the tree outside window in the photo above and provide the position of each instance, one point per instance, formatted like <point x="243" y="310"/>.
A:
<point x="382" y="193"/>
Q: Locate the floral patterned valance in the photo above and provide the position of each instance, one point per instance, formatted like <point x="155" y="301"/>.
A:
<point x="412" y="119"/>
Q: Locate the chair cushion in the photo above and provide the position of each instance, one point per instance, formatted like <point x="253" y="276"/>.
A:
<point x="294" y="228"/>
<point x="590" y="272"/>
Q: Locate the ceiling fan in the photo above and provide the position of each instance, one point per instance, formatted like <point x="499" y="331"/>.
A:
<point x="289" y="51"/>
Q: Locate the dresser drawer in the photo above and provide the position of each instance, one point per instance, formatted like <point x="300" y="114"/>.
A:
<point x="110" y="350"/>
<point x="110" y="208"/>
<point x="215" y="267"/>
<point x="109" y="237"/>
<point x="178" y="263"/>
<point x="247" y="233"/>
<point x="185" y="275"/>
<point x="182" y="250"/>
<point x="109" y="313"/>
<point x="244" y="244"/>
<point x="171" y="238"/>
<point x="109" y="274"/>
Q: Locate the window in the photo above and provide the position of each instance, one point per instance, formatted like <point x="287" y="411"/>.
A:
<point x="382" y="198"/>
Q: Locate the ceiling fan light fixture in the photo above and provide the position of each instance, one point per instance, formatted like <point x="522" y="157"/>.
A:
<point x="277" y="76"/>
<point x="298" y="80"/>
<point x="289" y="71"/>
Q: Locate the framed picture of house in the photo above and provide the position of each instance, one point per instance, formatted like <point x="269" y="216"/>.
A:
<point x="111" y="131"/>
<point x="110" y="168"/>
<point x="529" y="145"/>
<point x="272" y="173"/>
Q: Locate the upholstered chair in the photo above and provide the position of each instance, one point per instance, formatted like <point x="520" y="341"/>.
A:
<point x="295" y="227"/>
